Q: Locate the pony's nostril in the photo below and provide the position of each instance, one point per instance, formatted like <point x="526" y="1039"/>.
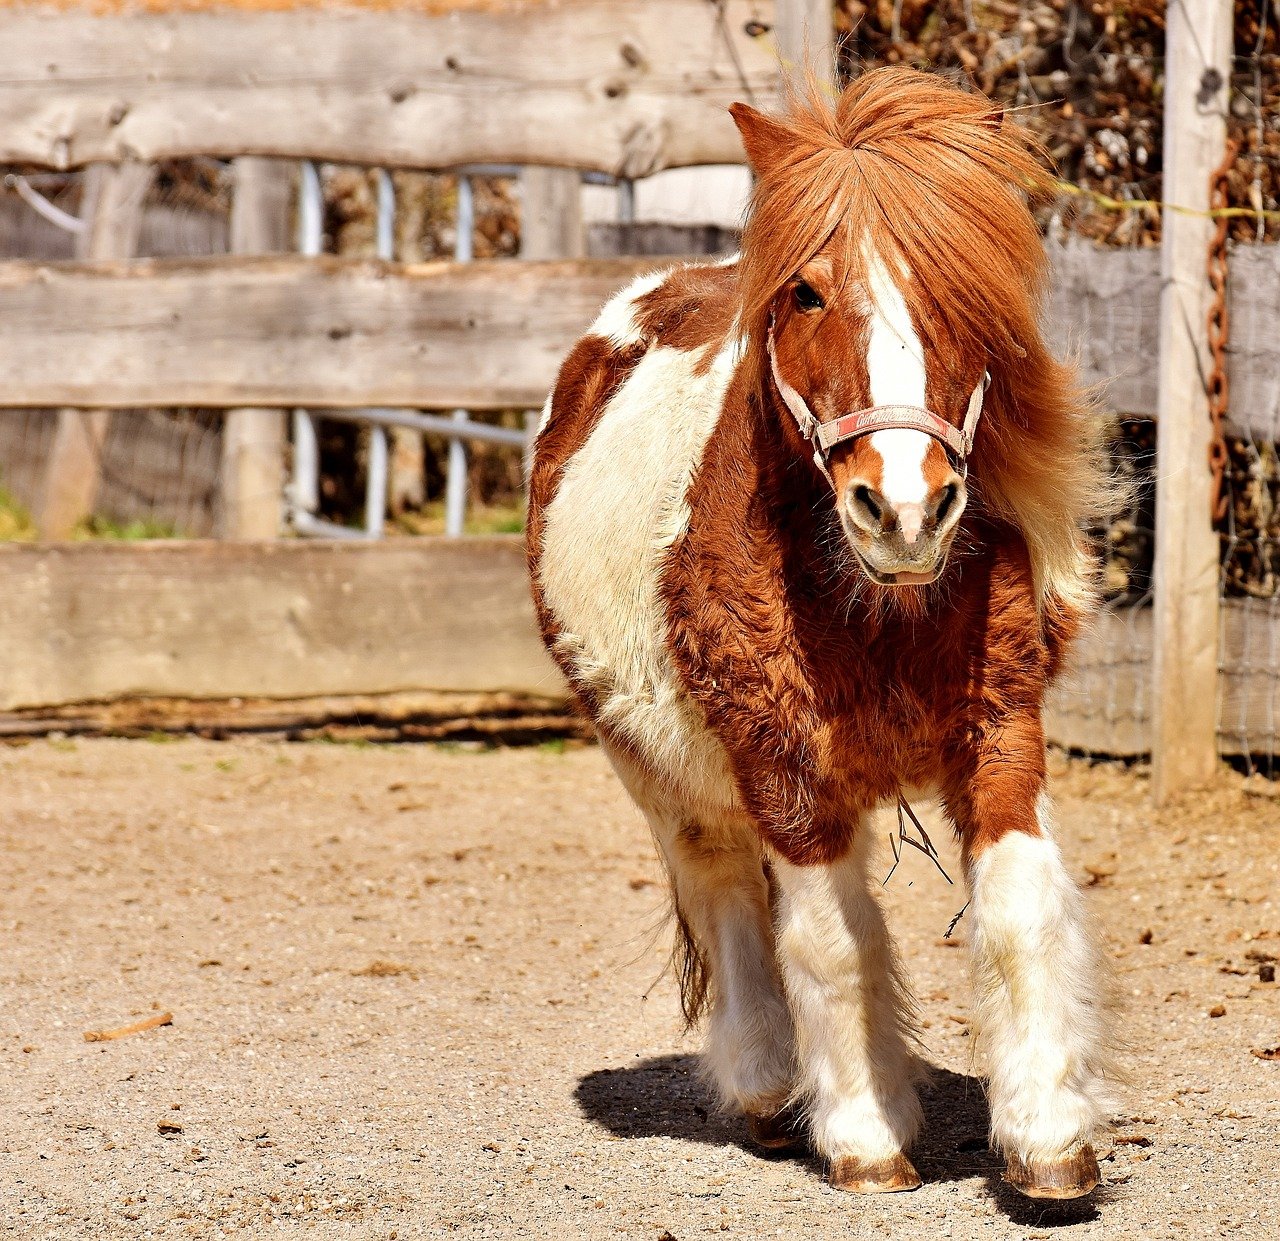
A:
<point x="949" y="493"/>
<point x="864" y="497"/>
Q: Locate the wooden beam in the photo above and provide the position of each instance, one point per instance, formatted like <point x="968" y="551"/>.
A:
<point x="623" y="86"/>
<point x="551" y="214"/>
<point x="285" y="619"/>
<point x="254" y="440"/>
<point x="111" y="210"/>
<point x="1197" y="76"/>
<point x="295" y="332"/>
<point x="1104" y="308"/>
<point x="806" y="39"/>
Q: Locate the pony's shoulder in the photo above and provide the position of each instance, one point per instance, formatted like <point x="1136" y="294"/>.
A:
<point x="687" y="307"/>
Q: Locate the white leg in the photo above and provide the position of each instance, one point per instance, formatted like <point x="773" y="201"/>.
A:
<point x="722" y="897"/>
<point x="1041" y="1011"/>
<point x="856" y="1065"/>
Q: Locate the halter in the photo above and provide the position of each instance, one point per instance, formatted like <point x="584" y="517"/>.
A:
<point x="825" y="436"/>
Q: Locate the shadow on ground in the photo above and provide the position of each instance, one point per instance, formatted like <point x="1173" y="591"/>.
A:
<point x="665" y="1097"/>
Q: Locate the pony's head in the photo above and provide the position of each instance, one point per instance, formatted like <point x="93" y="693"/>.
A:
<point x="890" y="273"/>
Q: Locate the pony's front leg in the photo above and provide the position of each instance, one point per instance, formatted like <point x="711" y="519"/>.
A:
<point x="856" y="1066"/>
<point x="1040" y="987"/>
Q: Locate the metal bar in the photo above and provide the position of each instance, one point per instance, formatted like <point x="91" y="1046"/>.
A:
<point x="308" y="523"/>
<point x="435" y="424"/>
<point x="375" y="495"/>
<point x="455" y="496"/>
<point x="42" y="206"/>
<point x="304" y="491"/>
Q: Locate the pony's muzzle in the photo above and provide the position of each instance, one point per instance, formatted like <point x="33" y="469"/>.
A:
<point x="907" y="536"/>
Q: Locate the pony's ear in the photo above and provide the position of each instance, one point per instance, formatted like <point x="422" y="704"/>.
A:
<point x="767" y="141"/>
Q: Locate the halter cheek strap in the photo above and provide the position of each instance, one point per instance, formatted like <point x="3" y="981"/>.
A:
<point x="825" y="436"/>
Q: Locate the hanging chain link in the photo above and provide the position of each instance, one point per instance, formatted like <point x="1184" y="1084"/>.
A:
<point x="1218" y="385"/>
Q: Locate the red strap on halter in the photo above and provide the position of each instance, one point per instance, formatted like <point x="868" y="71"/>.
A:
<point x="824" y="436"/>
<point x="889" y="418"/>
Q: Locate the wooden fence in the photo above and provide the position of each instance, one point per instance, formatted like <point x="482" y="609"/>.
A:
<point x="625" y="87"/>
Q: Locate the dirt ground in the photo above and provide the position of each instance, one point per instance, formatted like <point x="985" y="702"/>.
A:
<point x="413" y="995"/>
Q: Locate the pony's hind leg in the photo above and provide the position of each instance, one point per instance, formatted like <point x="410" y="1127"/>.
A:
<point x="857" y="1068"/>
<point x="727" y="964"/>
<point x="1040" y="1005"/>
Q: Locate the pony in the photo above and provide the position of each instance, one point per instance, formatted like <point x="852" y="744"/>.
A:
<point x="805" y="538"/>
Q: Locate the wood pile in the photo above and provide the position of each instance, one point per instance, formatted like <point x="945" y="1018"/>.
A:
<point x="1086" y="77"/>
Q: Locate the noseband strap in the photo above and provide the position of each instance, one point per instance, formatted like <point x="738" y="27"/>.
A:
<point x="825" y="436"/>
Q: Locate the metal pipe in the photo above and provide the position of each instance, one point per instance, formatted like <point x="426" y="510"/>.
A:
<point x="435" y="424"/>
<point x="42" y="206"/>
<point x="455" y="495"/>
<point x="304" y="492"/>
<point x="308" y="523"/>
<point x="375" y="493"/>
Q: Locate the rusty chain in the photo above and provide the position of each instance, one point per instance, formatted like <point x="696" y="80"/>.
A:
<point x="1218" y="385"/>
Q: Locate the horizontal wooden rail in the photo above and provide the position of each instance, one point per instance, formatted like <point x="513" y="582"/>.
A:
<point x="227" y="332"/>
<point x="326" y="332"/>
<point x="1105" y="306"/>
<point x="95" y="622"/>
<point x="620" y="86"/>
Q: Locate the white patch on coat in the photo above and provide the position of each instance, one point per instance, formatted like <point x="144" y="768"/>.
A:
<point x="616" y="322"/>
<point x="620" y="505"/>
<point x="856" y="1066"/>
<point x="719" y="886"/>
<point x="546" y="413"/>
<point x="896" y="370"/>
<point x="1040" y="1004"/>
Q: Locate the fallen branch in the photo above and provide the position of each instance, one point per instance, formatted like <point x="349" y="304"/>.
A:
<point x="151" y="1023"/>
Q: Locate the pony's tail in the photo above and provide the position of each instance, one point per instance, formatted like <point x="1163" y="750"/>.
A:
<point x="689" y="964"/>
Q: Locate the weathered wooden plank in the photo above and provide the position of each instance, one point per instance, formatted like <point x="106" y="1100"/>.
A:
<point x="1104" y="307"/>
<point x="345" y="323"/>
<point x="268" y="620"/>
<point x="111" y="213"/>
<point x="806" y="39"/>
<point x="624" y="86"/>
<point x="292" y="331"/>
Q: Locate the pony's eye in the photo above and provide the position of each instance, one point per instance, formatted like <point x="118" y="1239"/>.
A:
<point x="807" y="296"/>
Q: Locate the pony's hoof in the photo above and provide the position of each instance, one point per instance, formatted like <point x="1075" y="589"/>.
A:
<point x="894" y="1175"/>
<point x="778" y="1132"/>
<point x="1072" y="1177"/>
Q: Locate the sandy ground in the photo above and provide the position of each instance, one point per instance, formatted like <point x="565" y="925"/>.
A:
<point x="413" y="996"/>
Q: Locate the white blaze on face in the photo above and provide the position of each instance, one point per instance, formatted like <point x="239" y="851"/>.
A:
<point x="895" y="367"/>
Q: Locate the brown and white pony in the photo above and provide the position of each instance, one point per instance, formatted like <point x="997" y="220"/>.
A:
<point x="804" y="536"/>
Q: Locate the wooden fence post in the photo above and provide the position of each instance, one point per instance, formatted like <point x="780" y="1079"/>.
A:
<point x="551" y="214"/>
<point x="111" y="208"/>
<point x="1198" y="52"/>
<point x="253" y="440"/>
<point x="805" y="38"/>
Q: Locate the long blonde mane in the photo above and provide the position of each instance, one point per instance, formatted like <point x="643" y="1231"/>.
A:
<point x="936" y="176"/>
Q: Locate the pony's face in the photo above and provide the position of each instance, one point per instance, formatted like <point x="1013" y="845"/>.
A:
<point x="843" y="344"/>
